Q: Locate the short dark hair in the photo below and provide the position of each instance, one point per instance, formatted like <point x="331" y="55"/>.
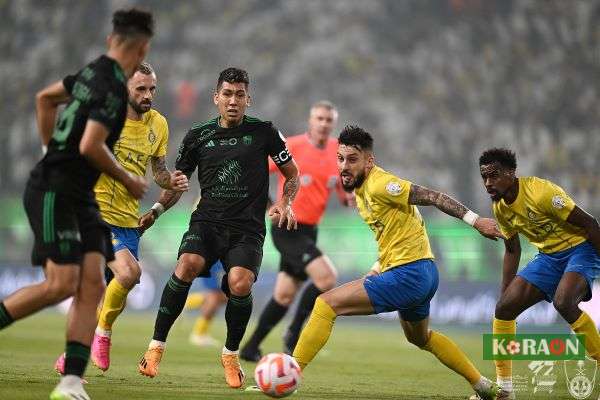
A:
<point x="145" y="68"/>
<point x="504" y="157"/>
<point x="356" y="137"/>
<point x="233" y="75"/>
<point x="133" y="22"/>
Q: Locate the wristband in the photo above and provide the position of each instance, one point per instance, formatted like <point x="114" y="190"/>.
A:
<point x="470" y="217"/>
<point x="44" y="149"/>
<point x="157" y="209"/>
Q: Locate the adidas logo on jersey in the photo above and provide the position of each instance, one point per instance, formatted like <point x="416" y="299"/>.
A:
<point x="210" y="144"/>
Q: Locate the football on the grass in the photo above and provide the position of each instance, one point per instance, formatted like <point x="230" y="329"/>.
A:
<point x="277" y="375"/>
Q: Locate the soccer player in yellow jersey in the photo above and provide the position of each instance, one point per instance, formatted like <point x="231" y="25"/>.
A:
<point x="568" y="240"/>
<point x="143" y="140"/>
<point x="406" y="278"/>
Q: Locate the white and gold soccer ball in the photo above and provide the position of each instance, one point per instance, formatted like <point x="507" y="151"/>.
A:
<point x="277" y="375"/>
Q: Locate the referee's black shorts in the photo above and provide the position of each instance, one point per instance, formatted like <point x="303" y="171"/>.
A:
<point x="297" y="249"/>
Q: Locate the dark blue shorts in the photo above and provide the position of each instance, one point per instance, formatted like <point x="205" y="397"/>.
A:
<point x="125" y="238"/>
<point x="545" y="271"/>
<point x="407" y="289"/>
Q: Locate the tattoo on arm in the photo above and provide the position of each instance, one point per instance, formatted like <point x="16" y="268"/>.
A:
<point x="290" y="188"/>
<point x="162" y="176"/>
<point x="421" y="196"/>
<point x="168" y="198"/>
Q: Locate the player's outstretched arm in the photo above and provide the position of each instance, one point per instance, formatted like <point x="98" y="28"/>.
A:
<point x="283" y="206"/>
<point x="510" y="263"/>
<point x="166" y="179"/>
<point x="422" y="196"/>
<point x="47" y="101"/>
<point x="588" y="223"/>
<point x="94" y="149"/>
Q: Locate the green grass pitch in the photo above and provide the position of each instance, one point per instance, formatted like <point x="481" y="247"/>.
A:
<point x="364" y="359"/>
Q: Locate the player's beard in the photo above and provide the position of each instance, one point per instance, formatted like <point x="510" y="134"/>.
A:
<point x="358" y="181"/>
<point x="137" y="107"/>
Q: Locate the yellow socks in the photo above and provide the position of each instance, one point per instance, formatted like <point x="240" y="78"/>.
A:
<point x="114" y="302"/>
<point x="201" y="326"/>
<point x="194" y="301"/>
<point x="315" y="334"/>
<point x="585" y="326"/>
<point x="504" y="367"/>
<point x="452" y="356"/>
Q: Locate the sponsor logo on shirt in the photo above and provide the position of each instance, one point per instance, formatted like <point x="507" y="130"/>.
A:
<point x="558" y="202"/>
<point x="393" y="188"/>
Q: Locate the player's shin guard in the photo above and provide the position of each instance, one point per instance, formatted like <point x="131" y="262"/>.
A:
<point x="585" y="326"/>
<point x="114" y="302"/>
<point x="5" y="318"/>
<point x="171" y="305"/>
<point x="316" y="333"/>
<point x="452" y="356"/>
<point x="504" y="367"/>
<point x="77" y="356"/>
<point x="237" y="315"/>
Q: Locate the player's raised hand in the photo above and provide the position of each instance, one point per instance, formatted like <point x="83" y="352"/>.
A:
<point x="136" y="185"/>
<point x="488" y="227"/>
<point x="146" y="221"/>
<point x="179" y="181"/>
<point x="283" y="213"/>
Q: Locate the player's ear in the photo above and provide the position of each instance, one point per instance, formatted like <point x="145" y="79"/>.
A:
<point x="370" y="160"/>
<point x="248" y="101"/>
<point x="216" y="97"/>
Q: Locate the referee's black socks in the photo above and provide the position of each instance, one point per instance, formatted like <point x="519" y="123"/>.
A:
<point x="271" y="315"/>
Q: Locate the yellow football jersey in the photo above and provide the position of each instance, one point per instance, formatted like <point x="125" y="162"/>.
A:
<point x="540" y="213"/>
<point x="139" y="141"/>
<point x="382" y="202"/>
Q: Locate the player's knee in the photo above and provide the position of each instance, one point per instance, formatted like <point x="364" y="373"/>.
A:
<point x="59" y="290"/>
<point x="240" y="286"/>
<point x="130" y="275"/>
<point x="563" y="304"/>
<point x="188" y="268"/>
<point x="418" y="340"/>
<point x="331" y="301"/>
<point x="284" y="298"/>
<point x="326" y="282"/>
<point x="504" y="310"/>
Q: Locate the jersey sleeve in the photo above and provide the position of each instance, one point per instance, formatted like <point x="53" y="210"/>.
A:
<point x="392" y="191"/>
<point x="69" y="82"/>
<point x="162" y="128"/>
<point x="555" y="201"/>
<point x="276" y="147"/>
<point x="187" y="157"/>
<point x="105" y="108"/>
